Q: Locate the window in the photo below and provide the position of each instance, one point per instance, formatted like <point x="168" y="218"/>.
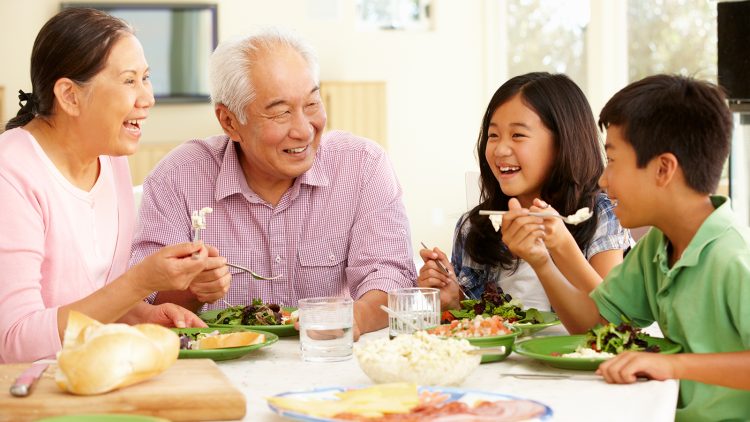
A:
<point x="393" y="14"/>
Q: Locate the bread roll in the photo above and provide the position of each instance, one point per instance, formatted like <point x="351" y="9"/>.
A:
<point x="221" y="341"/>
<point x="97" y="358"/>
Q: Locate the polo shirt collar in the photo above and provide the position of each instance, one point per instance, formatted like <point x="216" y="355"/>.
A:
<point x="231" y="179"/>
<point x="714" y="226"/>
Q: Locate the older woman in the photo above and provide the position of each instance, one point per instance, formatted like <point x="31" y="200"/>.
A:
<point x="68" y="212"/>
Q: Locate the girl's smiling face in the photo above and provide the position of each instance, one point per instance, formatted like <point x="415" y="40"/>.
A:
<point x="520" y="150"/>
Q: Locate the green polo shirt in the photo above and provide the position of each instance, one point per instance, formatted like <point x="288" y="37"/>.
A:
<point x="702" y="302"/>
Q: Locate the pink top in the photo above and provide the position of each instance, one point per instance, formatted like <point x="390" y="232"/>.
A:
<point x="341" y="229"/>
<point x="41" y="267"/>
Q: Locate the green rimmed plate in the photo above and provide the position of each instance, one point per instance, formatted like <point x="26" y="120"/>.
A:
<point x="506" y="340"/>
<point x="550" y="319"/>
<point x="286" y="330"/>
<point x="542" y="349"/>
<point x="226" y="353"/>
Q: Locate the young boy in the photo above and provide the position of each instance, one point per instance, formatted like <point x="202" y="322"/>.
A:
<point x="667" y="140"/>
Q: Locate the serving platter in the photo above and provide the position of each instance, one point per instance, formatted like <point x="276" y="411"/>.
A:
<point x="550" y="349"/>
<point x="470" y="397"/>
<point x="285" y="330"/>
<point x="225" y="353"/>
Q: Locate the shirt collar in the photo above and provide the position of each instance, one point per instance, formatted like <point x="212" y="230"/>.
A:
<point x="714" y="226"/>
<point x="231" y="179"/>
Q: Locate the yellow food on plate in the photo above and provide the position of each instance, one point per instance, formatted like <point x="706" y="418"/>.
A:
<point x="370" y="402"/>
<point x="222" y="341"/>
<point x="97" y="358"/>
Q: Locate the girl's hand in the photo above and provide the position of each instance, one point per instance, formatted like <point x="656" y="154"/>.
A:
<point x="556" y="235"/>
<point x="171" y="315"/>
<point x="626" y="367"/>
<point x="170" y="268"/>
<point x="213" y="282"/>
<point x="524" y="234"/>
<point x="431" y="275"/>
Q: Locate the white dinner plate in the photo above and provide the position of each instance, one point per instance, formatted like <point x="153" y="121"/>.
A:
<point x="469" y="397"/>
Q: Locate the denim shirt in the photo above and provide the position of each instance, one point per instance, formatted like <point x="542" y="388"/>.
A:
<point x="473" y="276"/>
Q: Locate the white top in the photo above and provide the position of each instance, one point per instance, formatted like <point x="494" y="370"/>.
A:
<point x="525" y="285"/>
<point x="92" y="216"/>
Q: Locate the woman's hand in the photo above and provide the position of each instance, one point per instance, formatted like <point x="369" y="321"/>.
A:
<point x="171" y="315"/>
<point x="431" y="275"/>
<point x="556" y="235"/>
<point x="170" y="268"/>
<point x="524" y="234"/>
<point x="213" y="282"/>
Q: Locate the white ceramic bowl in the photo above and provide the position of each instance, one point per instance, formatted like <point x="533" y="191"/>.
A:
<point x="420" y="358"/>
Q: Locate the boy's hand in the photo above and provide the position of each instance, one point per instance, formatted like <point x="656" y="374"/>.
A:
<point x="626" y="367"/>
<point x="524" y="234"/>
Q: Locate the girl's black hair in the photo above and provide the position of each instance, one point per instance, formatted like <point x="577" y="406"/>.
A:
<point x="573" y="179"/>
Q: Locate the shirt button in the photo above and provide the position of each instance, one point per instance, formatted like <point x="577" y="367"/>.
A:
<point x="278" y="259"/>
<point x="331" y="257"/>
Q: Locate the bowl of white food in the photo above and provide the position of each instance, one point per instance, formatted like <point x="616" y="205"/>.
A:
<point x="420" y="358"/>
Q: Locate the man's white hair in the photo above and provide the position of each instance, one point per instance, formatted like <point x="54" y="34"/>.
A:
<point x="232" y="62"/>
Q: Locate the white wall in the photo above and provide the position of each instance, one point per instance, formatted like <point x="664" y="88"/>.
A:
<point x="438" y="84"/>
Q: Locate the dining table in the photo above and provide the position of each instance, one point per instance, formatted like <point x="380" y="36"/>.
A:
<point x="279" y="368"/>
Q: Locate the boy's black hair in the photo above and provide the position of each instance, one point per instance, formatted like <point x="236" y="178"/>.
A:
<point x="677" y="114"/>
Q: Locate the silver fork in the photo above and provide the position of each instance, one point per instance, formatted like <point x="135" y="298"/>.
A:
<point x="253" y="273"/>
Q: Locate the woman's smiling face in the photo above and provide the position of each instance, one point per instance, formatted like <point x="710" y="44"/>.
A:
<point x="520" y="150"/>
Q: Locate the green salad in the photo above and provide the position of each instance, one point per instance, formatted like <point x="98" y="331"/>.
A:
<point x="492" y="303"/>
<point x="257" y="313"/>
<point x="616" y="339"/>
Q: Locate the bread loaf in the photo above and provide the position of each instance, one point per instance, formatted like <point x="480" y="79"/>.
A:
<point x="97" y="358"/>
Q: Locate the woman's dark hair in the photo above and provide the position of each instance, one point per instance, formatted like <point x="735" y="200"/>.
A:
<point x="573" y="179"/>
<point x="73" y="44"/>
<point x="678" y="114"/>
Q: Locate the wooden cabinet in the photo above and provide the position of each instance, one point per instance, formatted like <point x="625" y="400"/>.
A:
<point x="356" y="107"/>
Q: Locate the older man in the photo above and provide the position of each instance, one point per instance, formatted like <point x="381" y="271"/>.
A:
<point x="322" y="213"/>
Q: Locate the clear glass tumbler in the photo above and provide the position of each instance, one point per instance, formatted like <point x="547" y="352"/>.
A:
<point x="419" y="305"/>
<point x="325" y="328"/>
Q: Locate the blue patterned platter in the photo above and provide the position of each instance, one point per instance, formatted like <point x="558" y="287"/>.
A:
<point x="469" y="397"/>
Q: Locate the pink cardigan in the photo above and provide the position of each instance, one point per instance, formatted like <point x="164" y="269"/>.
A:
<point x="40" y="268"/>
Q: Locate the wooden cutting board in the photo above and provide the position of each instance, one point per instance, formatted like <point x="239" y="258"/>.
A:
<point x="190" y="390"/>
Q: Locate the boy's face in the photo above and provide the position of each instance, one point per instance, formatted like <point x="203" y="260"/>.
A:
<point x="629" y="187"/>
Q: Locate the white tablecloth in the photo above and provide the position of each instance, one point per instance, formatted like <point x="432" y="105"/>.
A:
<point x="279" y="368"/>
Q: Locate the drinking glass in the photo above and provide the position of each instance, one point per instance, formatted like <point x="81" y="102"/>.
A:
<point x="325" y="328"/>
<point x="420" y="305"/>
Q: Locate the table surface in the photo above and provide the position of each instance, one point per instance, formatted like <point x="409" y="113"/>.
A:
<point x="280" y="368"/>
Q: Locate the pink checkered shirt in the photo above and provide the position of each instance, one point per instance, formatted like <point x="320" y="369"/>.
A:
<point x="341" y="229"/>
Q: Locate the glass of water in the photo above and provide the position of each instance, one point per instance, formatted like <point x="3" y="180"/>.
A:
<point x="325" y="328"/>
<point x="419" y="305"/>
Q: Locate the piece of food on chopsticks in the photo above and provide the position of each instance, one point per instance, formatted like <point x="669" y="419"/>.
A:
<point x="97" y="358"/>
<point x="257" y="313"/>
<point x="404" y="402"/>
<point x="606" y="341"/>
<point x="492" y="303"/>
<point x="217" y="340"/>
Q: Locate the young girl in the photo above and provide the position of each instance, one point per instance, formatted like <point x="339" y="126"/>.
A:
<point x="538" y="152"/>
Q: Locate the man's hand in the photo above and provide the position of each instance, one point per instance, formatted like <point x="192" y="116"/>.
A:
<point x="214" y="281"/>
<point x="626" y="367"/>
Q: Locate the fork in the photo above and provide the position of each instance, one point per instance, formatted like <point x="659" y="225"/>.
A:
<point x="571" y="219"/>
<point x="253" y="273"/>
